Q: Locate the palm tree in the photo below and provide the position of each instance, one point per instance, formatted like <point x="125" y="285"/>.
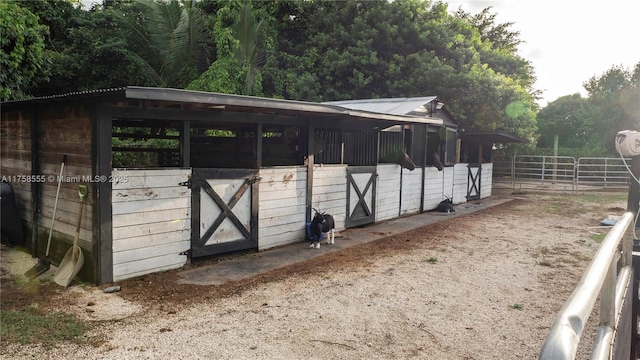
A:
<point x="170" y="37"/>
<point x="248" y="50"/>
<point x="239" y="52"/>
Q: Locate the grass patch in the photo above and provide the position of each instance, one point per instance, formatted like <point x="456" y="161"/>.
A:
<point x="517" y="306"/>
<point x="432" y="260"/>
<point x="28" y="326"/>
<point x="598" y="238"/>
<point x="604" y="198"/>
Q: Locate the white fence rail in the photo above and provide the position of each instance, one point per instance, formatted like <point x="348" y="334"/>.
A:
<point x="563" y="171"/>
<point x="609" y="275"/>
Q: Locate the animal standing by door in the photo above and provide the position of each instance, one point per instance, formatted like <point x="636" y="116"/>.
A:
<point x="321" y="224"/>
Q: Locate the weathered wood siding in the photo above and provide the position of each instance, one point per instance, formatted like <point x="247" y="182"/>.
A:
<point x="486" y="176"/>
<point x="282" y="206"/>
<point x="66" y="130"/>
<point x="460" y="183"/>
<point x="151" y="221"/>
<point x="411" y="191"/>
<point x="15" y="147"/>
<point x="434" y="180"/>
<point x="330" y="192"/>
<point x="387" y="193"/>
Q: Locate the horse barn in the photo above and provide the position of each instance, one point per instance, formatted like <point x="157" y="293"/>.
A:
<point x="175" y="174"/>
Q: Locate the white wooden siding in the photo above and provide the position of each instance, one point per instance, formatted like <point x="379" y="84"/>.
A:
<point x="330" y="192"/>
<point x="151" y="221"/>
<point x="282" y="206"/>
<point x="460" y="183"/>
<point x="434" y="181"/>
<point x="447" y="183"/>
<point x="411" y="191"/>
<point x="387" y="197"/>
<point x="487" y="176"/>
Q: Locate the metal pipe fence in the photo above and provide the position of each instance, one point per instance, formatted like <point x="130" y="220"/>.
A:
<point x="563" y="172"/>
<point x="609" y="276"/>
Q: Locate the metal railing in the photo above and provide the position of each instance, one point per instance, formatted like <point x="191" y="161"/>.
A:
<point x="610" y="274"/>
<point x="563" y="171"/>
<point x="602" y="172"/>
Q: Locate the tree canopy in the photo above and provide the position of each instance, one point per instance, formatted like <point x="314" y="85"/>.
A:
<point x="23" y="50"/>
<point x="300" y="50"/>
<point x="591" y="124"/>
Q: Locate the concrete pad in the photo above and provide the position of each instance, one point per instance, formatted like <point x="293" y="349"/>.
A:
<point x="241" y="267"/>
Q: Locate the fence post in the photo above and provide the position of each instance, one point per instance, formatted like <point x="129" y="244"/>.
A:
<point x="633" y="203"/>
<point x="513" y="171"/>
<point x="544" y="163"/>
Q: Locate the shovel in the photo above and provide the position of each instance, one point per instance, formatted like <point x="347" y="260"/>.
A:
<point x="44" y="263"/>
<point x="73" y="259"/>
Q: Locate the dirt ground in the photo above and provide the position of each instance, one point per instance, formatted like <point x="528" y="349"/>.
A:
<point x="487" y="285"/>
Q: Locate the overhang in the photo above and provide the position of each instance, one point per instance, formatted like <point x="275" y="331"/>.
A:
<point x="491" y="137"/>
<point x="232" y="102"/>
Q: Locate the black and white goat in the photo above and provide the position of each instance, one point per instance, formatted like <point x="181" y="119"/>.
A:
<point x="322" y="224"/>
<point x="446" y="205"/>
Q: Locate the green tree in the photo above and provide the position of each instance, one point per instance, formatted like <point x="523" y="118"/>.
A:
<point x="169" y="37"/>
<point x="568" y="117"/>
<point x="591" y="124"/>
<point x="615" y="97"/>
<point x="240" y="45"/>
<point x="376" y="49"/>
<point x="22" y="54"/>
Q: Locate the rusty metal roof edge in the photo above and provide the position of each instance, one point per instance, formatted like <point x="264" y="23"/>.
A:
<point x="70" y="95"/>
<point x="400" y="118"/>
<point x="182" y="95"/>
<point x="494" y="136"/>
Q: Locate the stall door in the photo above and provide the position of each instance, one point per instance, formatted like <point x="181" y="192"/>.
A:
<point x="473" y="181"/>
<point x="225" y="211"/>
<point x="361" y="195"/>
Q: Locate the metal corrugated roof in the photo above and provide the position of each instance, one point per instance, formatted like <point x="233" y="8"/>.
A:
<point x="398" y="109"/>
<point x="491" y="137"/>
<point x="392" y="106"/>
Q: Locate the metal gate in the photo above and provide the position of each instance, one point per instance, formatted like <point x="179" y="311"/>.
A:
<point x="473" y="181"/>
<point x="361" y="195"/>
<point x="225" y="211"/>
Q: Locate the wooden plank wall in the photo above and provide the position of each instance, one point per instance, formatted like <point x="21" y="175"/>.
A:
<point x="486" y="182"/>
<point x="15" y="147"/>
<point x="330" y="192"/>
<point x="460" y="183"/>
<point x="66" y="130"/>
<point x="433" y="187"/>
<point x="387" y="196"/>
<point x="411" y="191"/>
<point x="282" y="206"/>
<point x="447" y="182"/>
<point x="151" y="221"/>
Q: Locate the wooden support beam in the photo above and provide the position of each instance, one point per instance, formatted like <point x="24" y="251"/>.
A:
<point x="310" y="163"/>
<point x="103" y="233"/>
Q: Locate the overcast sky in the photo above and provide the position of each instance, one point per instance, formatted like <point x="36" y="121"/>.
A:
<point x="569" y="41"/>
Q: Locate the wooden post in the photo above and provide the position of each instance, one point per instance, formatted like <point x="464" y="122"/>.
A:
<point x="36" y="188"/>
<point x="185" y="144"/>
<point x="259" y="146"/>
<point x="102" y="215"/>
<point x="310" y="163"/>
<point x="555" y="158"/>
